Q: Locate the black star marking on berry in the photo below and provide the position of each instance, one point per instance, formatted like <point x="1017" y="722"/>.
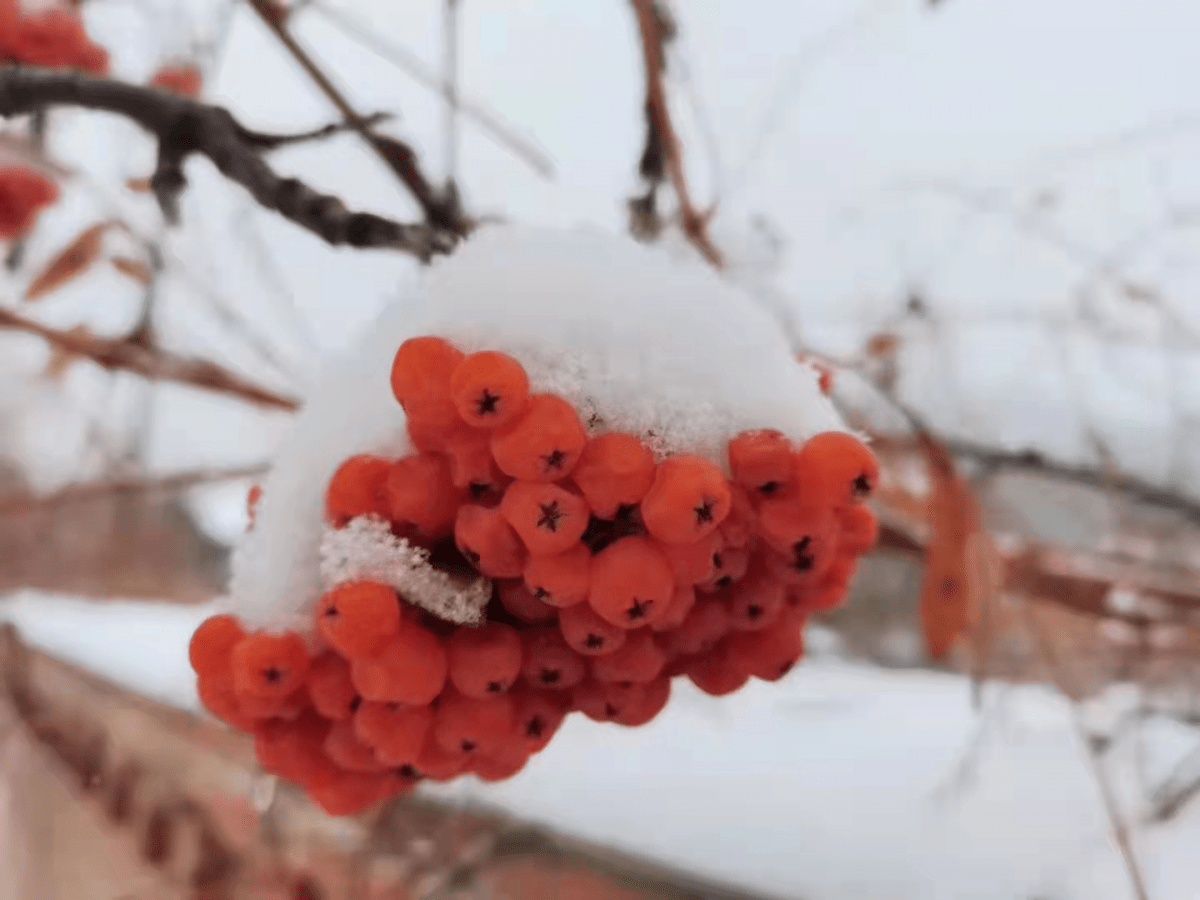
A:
<point x="594" y="642"/>
<point x="331" y="612"/>
<point x="478" y="488"/>
<point x="408" y="771"/>
<point x="551" y="513"/>
<point x="724" y="582"/>
<point x="610" y="711"/>
<point x="355" y="704"/>
<point x="534" y="727"/>
<point x="639" y="609"/>
<point x="704" y="512"/>
<point x="802" y="558"/>
<point x="753" y="611"/>
<point x="467" y="746"/>
<point x="718" y="561"/>
<point x="487" y="403"/>
<point x="767" y="488"/>
<point x="862" y="485"/>
<point x="540" y="593"/>
<point x="495" y="687"/>
<point x="472" y="557"/>
<point x="549" y="676"/>
<point x="785" y="668"/>
<point x="555" y="459"/>
<point x="272" y="674"/>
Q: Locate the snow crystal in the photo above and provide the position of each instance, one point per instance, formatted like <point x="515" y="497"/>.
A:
<point x="635" y="340"/>
<point x="367" y="549"/>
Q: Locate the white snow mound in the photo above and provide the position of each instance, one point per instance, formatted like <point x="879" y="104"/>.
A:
<point x="634" y="340"/>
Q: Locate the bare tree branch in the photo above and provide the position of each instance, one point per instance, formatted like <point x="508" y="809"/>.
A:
<point x="132" y="355"/>
<point x="184" y="127"/>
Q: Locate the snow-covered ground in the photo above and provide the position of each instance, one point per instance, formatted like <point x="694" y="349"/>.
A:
<point x="839" y="782"/>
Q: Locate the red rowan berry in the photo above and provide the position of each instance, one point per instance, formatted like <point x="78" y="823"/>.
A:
<point x="440" y="765"/>
<point x="474" y="726"/>
<point x="410" y="669"/>
<point x="211" y="647"/>
<point x="489" y="389"/>
<point x="23" y="194"/>
<point x="585" y="632"/>
<point x="292" y="749"/>
<point x="803" y="532"/>
<point x="502" y="763"/>
<point x="275" y="707"/>
<point x="639" y="659"/>
<point x="472" y="469"/>
<point x="519" y="601"/>
<point x="678" y="607"/>
<point x="269" y="666"/>
<point x="349" y="793"/>
<point x="484" y="660"/>
<point x="708" y="622"/>
<point x="543" y="443"/>
<point x="561" y="579"/>
<point x="218" y="698"/>
<point x="756" y="600"/>
<point x="741" y="524"/>
<point x="253" y="498"/>
<point x="859" y="530"/>
<point x="614" y="470"/>
<point x="420" y="493"/>
<point x="731" y="564"/>
<point x="488" y="542"/>
<point x="421" y="373"/>
<point x="538" y="716"/>
<point x="329" y="686"/>
<point x="697" y="562"/>
<point x="343" y="746"/>
<point x="550" y="663"/>
<point x="646" y="703"/>
<point x="839" y="465"/>
<point x="631" y="584"/>
<point x="770" y="653"/>
<point x="54" y="37"/>
<point x="358" y="488"/>
<point x="358" y="618"/>
<point x="604" y="701"/>
<point x="548" y="518"/>
<point x="396" y="731"/>
<point x="761" y="462"/>
<point x="688" y="499"/>
<point x="718" y="674"/>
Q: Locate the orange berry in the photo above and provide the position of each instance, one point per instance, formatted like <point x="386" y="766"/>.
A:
<point x="357" y="488"/>
<point x="632" y="583"/>
<point x="269" y="666"/>
<point x="707" y="623"/>
<point x="410" y="669"/>
<point x="420" y="493"/>
<point x="770" y="653"/>
<point x="275" y="707"/>
<point x="543" y="443"/>
<point x="440" y="765"/>
<point x="473" y="470"/>
<point x="718" y="673"/>
<point x="519" y="601"/>
<point x="639" y="659"/>
<point x="358" y="618"/>
<point x="488" y="542"/>
<point x="397" y="732"/>
<point x="561" y="579"/>
<point x="755" y="601"/>
<point x="730" y="565"/>
<point x="211" y="647"/>
<point x="859" y="530"/>
<point x="421" y="373"/>
<point x="484" y="660"/>
<point x="219" y="699"/>
<point x="802" y="530"/>
<point x="502" y="764"/>
<point x="646" y="703"/>
<point x="741" y="524"/>
<point x="349" y="793"/>
<point x="607" y="701"/>
<point x="253" y="498"/>
<point x="332" y="692"/>
<point x="678" y="607"/>
<point x="828" y="591"/>
<point x="346" y="750"/>
<point x="550" y="663"/>
<point x="697" y="562"/>
<point x="293" y="749"/>
<point x="614" y="470"/>
<point x="761" y="461"/>
<point x="538" y="716"/>
<point x="474" y="726"/>
<point x="548" y="518"/>
<point x="838" y="465"/>
<point x="585" y="632"/>
<point x="688" y="499"/>
<point x="489" y="389"/>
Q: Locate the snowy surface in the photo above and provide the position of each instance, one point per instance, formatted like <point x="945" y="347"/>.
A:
<point x="839" y="783"/>
<point x="663" y="348"/>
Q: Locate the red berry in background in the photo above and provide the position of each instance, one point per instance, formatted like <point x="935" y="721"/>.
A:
<point x="707" y="623"/>
<point x="211" y="647"/>
<point x="859" y="530"/>
<point x="358" y="488"/>
<point x="839" y="466"/>
<point x="562" y="579"/>
<point x="678" y="607"/>
<point x="344" y="747"/>
<point x="646" y="703"/>
<point x="543" y="443"/>
<point x="473" y="726"/>
<point x="761" y="462"/>
<point x="718" y="673"/>
<point x="218" y="698"/>
<point x="358" y="618"/>
<point x="410" y="669"/>
<point x="538" y="716"/>
<point x="550" y="663"/>
<point x="179" y="78"/>
<point x="755" y="601"/>
<point x="607" y="701"/>
<point x="269" y="666"/>
<point x="253" y="498"/>
<point x="421" y="372"/>
<point x="23" y="194"/>
<point x="488" y="542"/>
<point x="632" y="583"/>
<point x="639" y="659"/>
<point x="770" y="653"/>
<point x="548" y="518"/>
<point x="741" y="524"/>
<point x="421" y="493"/>
<point x="489" y="389"/>
<point x="697" y="562"/>
<point x="519" y="602"/>
<point x="332" y="692"/>
<point x="346" y="793"/>
<point x="293" y="749"/>
<point x="688" y="499"/>
<point x="585" y="632"/>
<point x="730" y="564"/>
<point x="484" y="660"/>
<point x="614" y="470"/>
<point x="396" y="731"/>
<point x="54" y="37"/>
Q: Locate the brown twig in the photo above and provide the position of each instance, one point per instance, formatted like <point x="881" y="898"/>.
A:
<point x="661" y="134"/>
<point x="151" y="362"/>
<point x="185" y="127"/>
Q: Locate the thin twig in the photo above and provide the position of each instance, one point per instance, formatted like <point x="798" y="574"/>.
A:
<point x="151" y="362"/>
<point x="450" y="79"/>
<point x="695" y="224"/>
<point x="184" y="127"/>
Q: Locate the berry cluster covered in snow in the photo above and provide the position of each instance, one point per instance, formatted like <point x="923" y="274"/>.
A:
<point x="516" y="553"/>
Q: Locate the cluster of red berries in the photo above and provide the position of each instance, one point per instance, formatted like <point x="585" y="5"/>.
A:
<point x="23" y="194"/>
<point x="183" y="79"/>
<point x="52" y="37"/>
<point x="613" y="574"/>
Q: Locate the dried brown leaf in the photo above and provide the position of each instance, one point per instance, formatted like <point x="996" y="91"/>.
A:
<point x="135" y="269"/>
<point x="138" y="185"/>
<point x="71" y="262"/>
<point x="61" y="358"/>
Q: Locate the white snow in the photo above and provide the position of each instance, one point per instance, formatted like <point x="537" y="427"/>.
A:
<point x="839" y="782"/>
<point x="661" y="347"/>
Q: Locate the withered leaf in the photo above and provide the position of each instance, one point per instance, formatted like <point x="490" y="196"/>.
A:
<point x="71" y="262"/>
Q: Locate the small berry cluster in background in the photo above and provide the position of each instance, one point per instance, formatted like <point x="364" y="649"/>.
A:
<point x="52" y="36"/>
<point x="613" y="573"/>
<point x="24" y="193"/>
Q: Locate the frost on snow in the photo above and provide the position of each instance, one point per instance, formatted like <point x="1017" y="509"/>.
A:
<point x="635" y="340"/>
